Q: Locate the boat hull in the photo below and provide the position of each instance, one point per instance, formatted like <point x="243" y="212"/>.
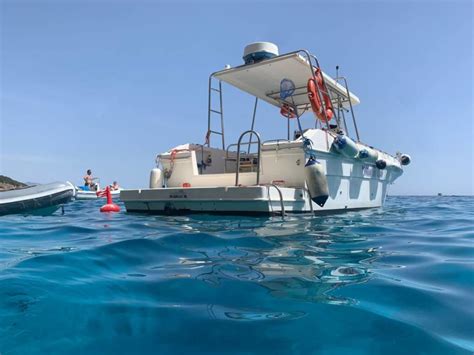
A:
<point x="248" y="200"/>
<point x="280" y="186"/>
<point x="38" y="200"/>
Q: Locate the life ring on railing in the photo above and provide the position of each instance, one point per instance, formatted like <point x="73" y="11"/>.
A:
<point x="288" y="111"/>
<point x="314" y="99"/>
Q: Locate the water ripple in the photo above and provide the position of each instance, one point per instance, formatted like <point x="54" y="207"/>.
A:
<point x="353" y="283"/>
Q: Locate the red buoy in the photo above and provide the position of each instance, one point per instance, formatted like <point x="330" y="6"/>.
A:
<point x="110" y="206"/>
<point x="287" y="111"/>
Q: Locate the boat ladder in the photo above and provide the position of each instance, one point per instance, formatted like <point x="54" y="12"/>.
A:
<point x="211" y="112"/>
<point x="282" y="205"/>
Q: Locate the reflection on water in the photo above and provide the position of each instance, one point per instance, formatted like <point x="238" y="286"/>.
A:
<point x="302" y="258"/>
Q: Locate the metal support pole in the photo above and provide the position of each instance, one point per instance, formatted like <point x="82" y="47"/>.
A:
<point x="253" y="124"/>
<point x="222" y="114"/>
<point x="344" y="119"/>
<point x="309" y="56"/>
<point x="208" y="134"/>
<point x="288" y="119"/>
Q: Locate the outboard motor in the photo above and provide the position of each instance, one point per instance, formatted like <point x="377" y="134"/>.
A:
<point x="346" y="146"/>
<point x="156" y="178"/>
<point x="316" y="181"/>
<point x="258" y="51"/>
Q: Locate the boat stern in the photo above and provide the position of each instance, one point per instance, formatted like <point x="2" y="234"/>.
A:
<point x="226" y="200"/>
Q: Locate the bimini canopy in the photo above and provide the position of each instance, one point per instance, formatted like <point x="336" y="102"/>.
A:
<point x="283" y="79"/>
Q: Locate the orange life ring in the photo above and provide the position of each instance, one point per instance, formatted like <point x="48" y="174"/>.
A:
<point x="315" y="100"/>
<point x="287" y="111"/>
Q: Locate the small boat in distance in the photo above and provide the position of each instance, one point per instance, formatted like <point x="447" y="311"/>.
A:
<point x="320" y="167"/>
<point x="39" y="199"/>
<point x="84" y="193"/>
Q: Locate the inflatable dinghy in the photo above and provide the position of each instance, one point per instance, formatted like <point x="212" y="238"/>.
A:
<point x="38" y="199"/>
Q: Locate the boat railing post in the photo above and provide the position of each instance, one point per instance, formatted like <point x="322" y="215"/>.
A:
<point x="222" y="114"/>
<point x="350" y="105"/>
<point x="282" y="204"/>
<point x="208" y="134"/>
<point x="258" y="155"/>
<point x="320" y="95"/>
<point x="253" y="123"/>
<point x="344" y="120"/>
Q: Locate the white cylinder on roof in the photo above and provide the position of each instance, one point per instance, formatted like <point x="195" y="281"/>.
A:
<point x="258" y="51"/>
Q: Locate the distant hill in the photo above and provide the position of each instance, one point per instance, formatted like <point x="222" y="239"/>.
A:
<point x="7" y="183"/>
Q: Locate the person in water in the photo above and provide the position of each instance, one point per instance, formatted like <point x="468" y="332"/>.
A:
<point x="115" y="186"/>
<point x="89" y="180"/>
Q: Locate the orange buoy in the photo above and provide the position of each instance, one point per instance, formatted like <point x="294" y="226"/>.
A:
<point x="313" y="87"/>
<point x="287" y="111"/>
<point x="110" y="206"/>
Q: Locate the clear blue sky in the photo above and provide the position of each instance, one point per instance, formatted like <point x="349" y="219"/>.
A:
<point x="108" y="85"/>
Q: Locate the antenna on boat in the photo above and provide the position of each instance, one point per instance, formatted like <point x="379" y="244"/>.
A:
<point x="339" y="106"/>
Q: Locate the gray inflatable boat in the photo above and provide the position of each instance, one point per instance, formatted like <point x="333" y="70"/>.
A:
<point x="38" y="199"/>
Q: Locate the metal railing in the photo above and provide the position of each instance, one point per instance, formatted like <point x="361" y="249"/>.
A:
<point x="350" y="105"/>
<point x="250" y="131"/>
<point x="313" y="63"/>
<point x="282" y="204"/>
<point x="325" y="89"/>
<point x="229" y="158"/>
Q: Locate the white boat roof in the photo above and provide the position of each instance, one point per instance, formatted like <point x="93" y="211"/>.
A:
<point x="263" y="80"/>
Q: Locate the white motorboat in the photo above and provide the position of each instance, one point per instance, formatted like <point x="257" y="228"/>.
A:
<point x="86" y="194"/>
<point x="316" y="169"/>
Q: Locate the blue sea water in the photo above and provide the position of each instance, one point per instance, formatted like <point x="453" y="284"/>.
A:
<point x="385" y="281"/>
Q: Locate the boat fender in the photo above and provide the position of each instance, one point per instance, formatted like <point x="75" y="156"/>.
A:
<point x="405" y="159"/>
<point x="316" y="182"/>
<point x="346" y="146"/>
<point x="363" y="154"/>
<point x="367" y="154"/>
<point x="156" y="178"/>
<point x="381" y="164"/>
